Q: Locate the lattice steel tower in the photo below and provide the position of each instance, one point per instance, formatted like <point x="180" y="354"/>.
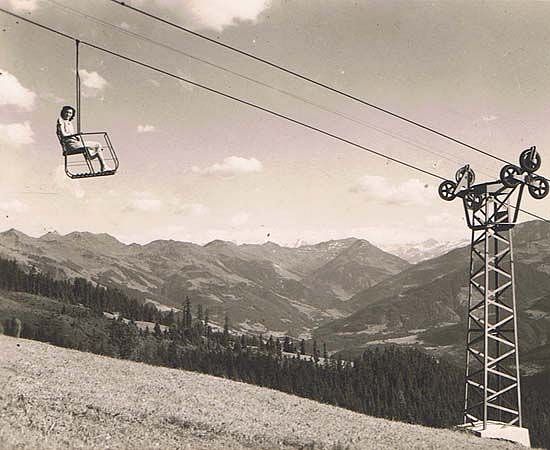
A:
<point x="492" y="405"/>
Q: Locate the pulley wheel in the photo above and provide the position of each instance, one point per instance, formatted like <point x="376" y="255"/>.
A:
<point x="447" y="190"/>
<point x="471" y="175"/>
<point x="538" y="187"/>
<point x="473" y="201"/>
<point x="530" y="160"/>
<point x="507" y="174"/>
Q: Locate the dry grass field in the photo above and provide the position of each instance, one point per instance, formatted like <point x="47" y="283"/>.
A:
<point x="54" y="398"/>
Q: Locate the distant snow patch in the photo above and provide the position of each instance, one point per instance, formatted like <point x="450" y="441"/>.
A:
<point x="405" y="340"/>
<point x="255" y="327"/>
<point x="160" y="306"/>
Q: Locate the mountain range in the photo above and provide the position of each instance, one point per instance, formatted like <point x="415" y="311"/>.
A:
<point x="426" y="303"/>
<point x="347" y="293"/>
<point x="262" y="288"/>
<point x="415" y="252"/>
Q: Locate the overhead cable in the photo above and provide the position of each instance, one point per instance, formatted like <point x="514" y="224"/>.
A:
<point x="306" y="78"/>
<point x="223" y="94"/>
<point x="439" y="153"/>
<point x="236" y="99"/>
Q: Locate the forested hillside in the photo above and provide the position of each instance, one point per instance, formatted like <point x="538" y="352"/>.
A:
<point x="402" y="384"/>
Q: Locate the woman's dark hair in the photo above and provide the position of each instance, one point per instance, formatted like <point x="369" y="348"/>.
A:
<point x="68" y="108"/>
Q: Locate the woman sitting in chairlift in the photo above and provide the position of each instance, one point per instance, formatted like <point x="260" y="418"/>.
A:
<point x="72" y="141"/>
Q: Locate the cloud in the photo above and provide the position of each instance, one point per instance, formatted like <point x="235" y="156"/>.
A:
<point x="92" y="82"/>
<point x="13" y="93"/>
<point x="16" y="133"/>
<point x="13" y="206"/>
<point x="145" y="128"/>
<point x="218" y="14"/>
<point x="51" y="97"/>
<point x="240" y="219"/>
<point x="231" y="166"/>
<point x="145" y="201"/>
<point x="24" y="5"/>
<point x="192" y="209"/>
<point x="381" y="190"/>
<point x="443" y="219"/>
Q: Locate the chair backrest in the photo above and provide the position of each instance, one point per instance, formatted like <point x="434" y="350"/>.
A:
<point x="60" y="139"/>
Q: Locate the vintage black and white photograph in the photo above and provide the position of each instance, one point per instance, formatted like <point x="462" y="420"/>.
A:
<point x="274" y="224"/>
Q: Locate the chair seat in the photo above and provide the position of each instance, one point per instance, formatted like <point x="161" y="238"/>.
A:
<point x="76" y="151"/>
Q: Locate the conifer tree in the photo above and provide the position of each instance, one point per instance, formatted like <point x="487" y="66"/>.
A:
<point x="244" y="343"/>
<point x="188" y="318"/>
<point x="157" y="331"/>
<point x="206" y="324"/>
<point x="225" y="339"/>
<point x="270" y="345"/>
<point x="286" y="345"/>
<point x="199" y="312"/>
<point x="237" y="346"/>
<point x="278" y="347"/>
<point x="171" y="318"/>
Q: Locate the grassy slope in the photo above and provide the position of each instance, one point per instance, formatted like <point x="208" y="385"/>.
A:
<point x="57" y="398"/>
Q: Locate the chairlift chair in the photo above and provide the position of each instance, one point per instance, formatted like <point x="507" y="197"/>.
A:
<point x="79" y="162"/>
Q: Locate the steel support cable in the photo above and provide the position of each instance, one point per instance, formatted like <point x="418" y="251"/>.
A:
<point x="311" y="80"/>
<point x="77" y="84"/>
<point x="223" y="94"/>
<point x="306" y="78"/>
<point x="237" y="99"/>
<point x="441" y="154"/>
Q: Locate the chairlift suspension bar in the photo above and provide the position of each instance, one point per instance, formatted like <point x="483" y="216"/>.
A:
<point x="77" y="57"/>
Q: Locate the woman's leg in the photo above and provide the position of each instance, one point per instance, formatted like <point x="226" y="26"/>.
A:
<point x="96" y="151"/>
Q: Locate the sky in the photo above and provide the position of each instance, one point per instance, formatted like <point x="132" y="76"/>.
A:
<point x="195" y="166"/>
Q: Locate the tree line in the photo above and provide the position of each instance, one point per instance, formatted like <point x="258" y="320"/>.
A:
<point x="75" y="291"/>
<point x="392" y="382"/>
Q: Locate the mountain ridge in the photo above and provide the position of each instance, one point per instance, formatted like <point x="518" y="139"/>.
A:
<point x="425" y="304"/>
<point x="260" y="286"/>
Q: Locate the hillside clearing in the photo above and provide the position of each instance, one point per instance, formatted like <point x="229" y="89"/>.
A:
<point x="52" y="397"/>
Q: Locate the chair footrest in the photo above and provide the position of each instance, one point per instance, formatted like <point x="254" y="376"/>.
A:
<point x="91" y="175"/>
